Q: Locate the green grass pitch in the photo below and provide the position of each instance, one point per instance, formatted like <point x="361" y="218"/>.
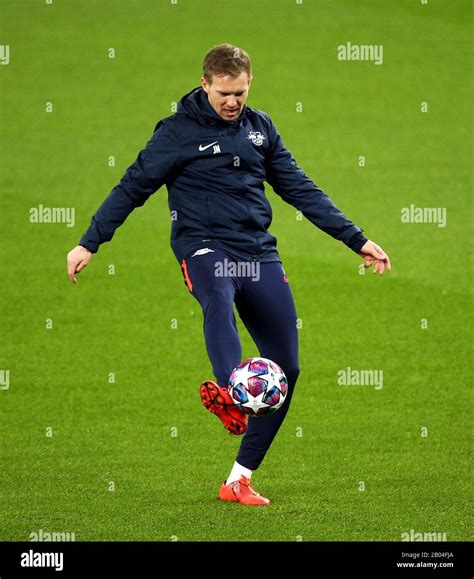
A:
<point x="139" y="458"/>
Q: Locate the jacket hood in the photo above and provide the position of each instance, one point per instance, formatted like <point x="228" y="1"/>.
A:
<point x="196" y="105"/>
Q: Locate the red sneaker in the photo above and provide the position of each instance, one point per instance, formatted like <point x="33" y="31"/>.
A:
<point x="218" y="401"/>
<point x="242" y="492"/>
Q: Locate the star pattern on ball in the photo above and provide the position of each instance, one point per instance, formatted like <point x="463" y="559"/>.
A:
<point x="254" y="402"/>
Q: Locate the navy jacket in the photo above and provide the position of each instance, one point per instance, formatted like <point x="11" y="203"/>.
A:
<point x="214" y="171"/>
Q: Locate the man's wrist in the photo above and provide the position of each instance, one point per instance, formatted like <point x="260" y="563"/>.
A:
<point x="89" y="245"/>
<point x="357" y="242"/>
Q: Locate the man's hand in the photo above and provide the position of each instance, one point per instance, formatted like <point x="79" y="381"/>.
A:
<point x="77" y="259"/>
<point x="373" y="253"/>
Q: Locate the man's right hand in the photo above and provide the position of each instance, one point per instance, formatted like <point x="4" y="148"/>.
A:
<point x="77" y="259"/>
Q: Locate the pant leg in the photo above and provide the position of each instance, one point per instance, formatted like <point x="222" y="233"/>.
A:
<point x="216" y="297"/>
<point x="267" y="309"/>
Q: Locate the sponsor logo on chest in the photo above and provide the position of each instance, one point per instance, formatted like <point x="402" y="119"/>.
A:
<point x="256" y="137"/>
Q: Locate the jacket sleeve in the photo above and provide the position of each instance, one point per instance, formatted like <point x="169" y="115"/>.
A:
<point x="153" y="166"/>
<point x="293" y="186"/>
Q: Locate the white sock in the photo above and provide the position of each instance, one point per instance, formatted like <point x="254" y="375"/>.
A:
<point x="237" y="471"/>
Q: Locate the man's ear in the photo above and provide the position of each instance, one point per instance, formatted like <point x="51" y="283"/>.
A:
<point x="205" y="85"/>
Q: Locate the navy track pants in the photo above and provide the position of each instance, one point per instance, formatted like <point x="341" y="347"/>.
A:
<point x="263" y="299"/>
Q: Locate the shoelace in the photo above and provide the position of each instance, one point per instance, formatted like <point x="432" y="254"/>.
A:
<point x="245" y="481"/>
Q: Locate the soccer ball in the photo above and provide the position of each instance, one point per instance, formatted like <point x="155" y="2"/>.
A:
<point x="258" y="386"/>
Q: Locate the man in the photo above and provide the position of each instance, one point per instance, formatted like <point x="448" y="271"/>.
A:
<point x="214" y="155"/>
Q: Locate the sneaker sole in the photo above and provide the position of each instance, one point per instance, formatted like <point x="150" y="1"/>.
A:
<point x="216" y="404"/>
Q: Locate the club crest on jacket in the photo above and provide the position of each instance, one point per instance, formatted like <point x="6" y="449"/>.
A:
<point x="256" y="137"/>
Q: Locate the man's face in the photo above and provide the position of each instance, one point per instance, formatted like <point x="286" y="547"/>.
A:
<point x="227" y="94"/>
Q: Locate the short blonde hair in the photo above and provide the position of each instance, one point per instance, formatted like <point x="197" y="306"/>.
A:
<point x="226" y="59"/>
